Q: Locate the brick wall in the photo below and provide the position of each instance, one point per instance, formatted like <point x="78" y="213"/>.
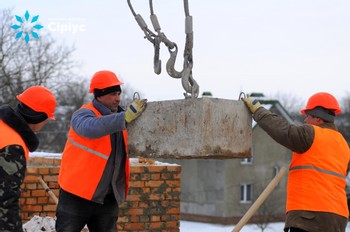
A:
<point x="153" y="203"/>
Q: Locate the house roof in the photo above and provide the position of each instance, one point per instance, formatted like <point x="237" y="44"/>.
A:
<point x="277" y="108"/>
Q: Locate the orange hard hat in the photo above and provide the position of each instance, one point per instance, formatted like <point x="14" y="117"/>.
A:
<point x="104" y="79"/>
<point x="324" y="100"/>
<point x="39" y="99"/>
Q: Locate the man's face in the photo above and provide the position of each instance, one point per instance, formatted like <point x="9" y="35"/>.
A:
<point x="111" y="100"/>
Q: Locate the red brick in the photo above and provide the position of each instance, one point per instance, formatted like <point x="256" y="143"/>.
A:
<point x="43" y="200"/>
<point x="123" y="219"/>
<point x="137" y="169"/>
<point x="38" y="193"/>
<point x="154" y="183"/>
<point x="155" y="225"/>
<point x="54" y="171"/>
<point x="32" y="208"/>
<point x="173" y="211"/>
<point x="32" y="170"/>
<point x="155" y="218"/>
<point x="134" y="211"/>
<point x="156" y="168"/>
<point x="173" y="183"/>
<point x="50" y="208"/>
<point x="31" y="178"/>
<point x="133" y="198"/>
<point x="31" y="186"/>
<point x="31" y="200"/>
<point x="136" y="184"/>
<point x="48" y="178"/>
<point x="155" y="176"/>
<point x="44" y="171"/>
<point x="176" y="176"/>
<point x="134" y="226"/>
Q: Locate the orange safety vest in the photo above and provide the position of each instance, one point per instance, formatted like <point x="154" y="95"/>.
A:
<point x="11" y="137"/>
<point x="84" y="160"/>
<point x="316" y="179"/>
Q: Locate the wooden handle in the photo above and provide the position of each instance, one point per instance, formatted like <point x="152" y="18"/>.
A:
<point x="48" y="190"/>
<point x="267" y="191"/>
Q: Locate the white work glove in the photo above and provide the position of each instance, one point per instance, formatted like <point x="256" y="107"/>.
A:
<point x="252" y="104"/>
<point x="135" y="109"/>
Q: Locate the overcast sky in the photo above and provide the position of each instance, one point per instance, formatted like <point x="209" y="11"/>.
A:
<point x="297" y="47"/>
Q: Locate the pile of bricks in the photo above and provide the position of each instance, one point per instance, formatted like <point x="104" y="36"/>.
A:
<point x="153" y="203"/>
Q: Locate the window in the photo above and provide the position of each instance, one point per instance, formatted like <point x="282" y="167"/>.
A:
<point x="246" y="193"/>
<point x="247" y="161"/>
<point x="276" y="170"/>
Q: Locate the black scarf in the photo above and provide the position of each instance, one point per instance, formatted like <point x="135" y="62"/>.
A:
<point x="12" y="119"/>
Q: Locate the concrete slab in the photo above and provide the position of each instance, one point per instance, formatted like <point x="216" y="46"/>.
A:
<point x="192" y="128"/>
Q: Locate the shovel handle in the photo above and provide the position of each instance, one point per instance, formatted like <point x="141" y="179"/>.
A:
<point x="48" y="190"/>
<point x="267" y="191"/>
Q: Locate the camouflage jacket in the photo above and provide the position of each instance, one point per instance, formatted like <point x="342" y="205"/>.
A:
<point x="12" y="170"/>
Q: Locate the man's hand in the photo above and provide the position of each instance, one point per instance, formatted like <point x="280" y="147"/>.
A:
<point x="252" y="103"/>
<point x="135" y="109"/>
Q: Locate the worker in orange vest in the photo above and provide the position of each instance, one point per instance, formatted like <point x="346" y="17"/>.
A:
<point x="316" y="197"/>
<point x="18" y="127"/>
<point x="94" y="173"/>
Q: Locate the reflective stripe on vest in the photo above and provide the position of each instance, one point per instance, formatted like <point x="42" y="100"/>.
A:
<point x="319" y="170"/>
<point x="316" y="180"/>
<point x="99" y="154"/>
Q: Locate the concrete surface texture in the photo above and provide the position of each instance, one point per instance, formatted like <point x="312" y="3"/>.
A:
<point x="192" y="128"/>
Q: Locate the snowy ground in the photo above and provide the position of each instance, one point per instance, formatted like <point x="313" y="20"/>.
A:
<point x="187" y="226"/>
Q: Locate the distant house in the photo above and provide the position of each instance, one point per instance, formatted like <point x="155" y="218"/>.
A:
<point x="221" y="191"/>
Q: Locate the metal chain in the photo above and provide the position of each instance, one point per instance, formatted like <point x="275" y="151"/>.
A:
<point x="156" y="38"/>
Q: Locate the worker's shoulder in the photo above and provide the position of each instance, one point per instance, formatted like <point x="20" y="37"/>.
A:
<point x="83" y="112"/>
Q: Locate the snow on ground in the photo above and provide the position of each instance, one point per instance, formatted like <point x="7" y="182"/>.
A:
<point x="187" y="226"/>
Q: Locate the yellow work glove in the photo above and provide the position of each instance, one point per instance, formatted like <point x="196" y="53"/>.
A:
<point x="252" y="103"/>
<point x="135" y="109"/>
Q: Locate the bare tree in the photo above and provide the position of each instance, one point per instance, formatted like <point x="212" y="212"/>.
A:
<point x="345" y="103"/>
<point x="40" y="62"/>
<point x="289" y="101"/>
<point x="342" y="120"/>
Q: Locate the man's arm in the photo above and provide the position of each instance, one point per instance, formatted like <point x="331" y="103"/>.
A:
<point x="296" y="138"/>
<point x="85" y="123"/>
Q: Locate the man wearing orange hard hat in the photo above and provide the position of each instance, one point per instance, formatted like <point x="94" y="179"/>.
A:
<point x="18" y="127"/>
<point x="316" y="197"/>
<point x="94" y="173"/>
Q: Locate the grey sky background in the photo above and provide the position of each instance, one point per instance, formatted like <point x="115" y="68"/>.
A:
<point x="296" y="47"/>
